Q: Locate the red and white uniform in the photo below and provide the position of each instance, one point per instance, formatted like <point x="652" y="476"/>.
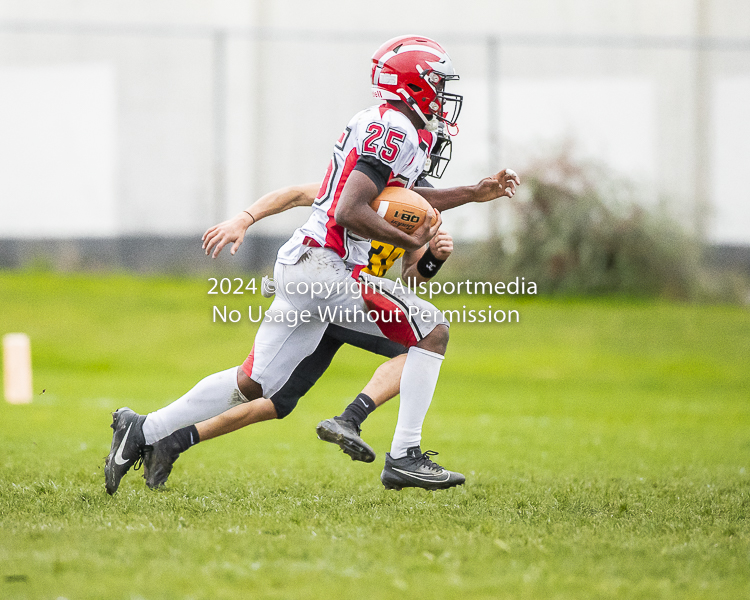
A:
<point x="323" y="252"/>
<point x="379" y="131"/>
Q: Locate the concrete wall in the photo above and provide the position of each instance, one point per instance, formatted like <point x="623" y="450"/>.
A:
<point x="161" y="117"/>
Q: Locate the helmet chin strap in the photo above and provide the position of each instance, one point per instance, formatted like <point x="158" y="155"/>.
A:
<point x="430" y="125"/>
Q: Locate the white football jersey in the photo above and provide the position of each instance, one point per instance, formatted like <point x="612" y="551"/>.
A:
<point x="379" y="131"/>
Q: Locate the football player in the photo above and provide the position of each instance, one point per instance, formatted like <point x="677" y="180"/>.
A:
<point x="384" y="145"/>
<point x="343" y="430"/>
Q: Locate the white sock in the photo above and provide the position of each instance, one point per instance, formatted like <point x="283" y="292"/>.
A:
<point x="211" y="396"/>
<point x="418" y="381"/>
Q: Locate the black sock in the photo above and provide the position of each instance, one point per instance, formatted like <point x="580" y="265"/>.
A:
<point x="186" y="437"/>
<point x="358" y="410"/>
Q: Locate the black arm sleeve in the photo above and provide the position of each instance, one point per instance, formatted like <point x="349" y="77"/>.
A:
<point x="377" y="171"/>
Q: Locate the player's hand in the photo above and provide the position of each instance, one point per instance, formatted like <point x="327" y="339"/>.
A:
<point x="225" y="233"/>
<point x="441" y="245"/>
<point x="501" y="184"/>
<point x="427" y="230"/>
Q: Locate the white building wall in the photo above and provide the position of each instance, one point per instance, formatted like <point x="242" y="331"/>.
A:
<point x="295" y="71"/>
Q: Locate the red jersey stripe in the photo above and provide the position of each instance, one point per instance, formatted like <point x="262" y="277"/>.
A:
<point x="334" y="231"/>
<point x="384" y="108"/>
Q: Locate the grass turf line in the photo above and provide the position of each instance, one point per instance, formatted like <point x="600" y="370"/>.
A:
<point x="605" y="445"/>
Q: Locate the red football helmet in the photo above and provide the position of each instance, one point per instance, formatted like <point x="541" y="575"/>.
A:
<point x="414" y="69"/>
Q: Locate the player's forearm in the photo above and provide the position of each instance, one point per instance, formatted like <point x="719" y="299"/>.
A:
<point x="353" y="211"/>
<point x="281" y="200"/>
<point x="363" y="221"/>
<point x="444" y="199"/>
<point x="503" y="183"/>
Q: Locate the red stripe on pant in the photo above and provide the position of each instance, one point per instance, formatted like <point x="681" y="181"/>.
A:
<point x="399" y="329"/>
<point x="247" y="366"/>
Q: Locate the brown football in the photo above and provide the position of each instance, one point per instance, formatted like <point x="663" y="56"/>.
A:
<point x="402" y="208"/>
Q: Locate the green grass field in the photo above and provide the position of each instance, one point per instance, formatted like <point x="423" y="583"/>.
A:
<point x="606" y="446"/>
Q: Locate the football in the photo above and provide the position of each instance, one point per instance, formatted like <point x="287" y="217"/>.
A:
<point x="402" y="208"/>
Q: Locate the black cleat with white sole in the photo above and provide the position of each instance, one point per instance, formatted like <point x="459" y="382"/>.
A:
<point x="417" y="470"/>
<point x="128" y="446"/>
<point x="159" y="459"/>
<point x="346" y="435"/>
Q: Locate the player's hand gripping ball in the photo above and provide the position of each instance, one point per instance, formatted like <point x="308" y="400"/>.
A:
<point x="402" y="208"/>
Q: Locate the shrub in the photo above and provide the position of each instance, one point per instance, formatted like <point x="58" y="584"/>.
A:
<point x="580" y="230"/>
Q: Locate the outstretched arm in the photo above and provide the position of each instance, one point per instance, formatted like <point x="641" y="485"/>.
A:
<point x="272" y="203"/>
<point x="501" y="184"/>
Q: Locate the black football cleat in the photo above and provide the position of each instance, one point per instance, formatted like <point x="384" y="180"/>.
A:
<point x="417" y="470"/>
<point x="159" y="460"/>
<point x="346" y="435"/>
<point x="128" y="445"/>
